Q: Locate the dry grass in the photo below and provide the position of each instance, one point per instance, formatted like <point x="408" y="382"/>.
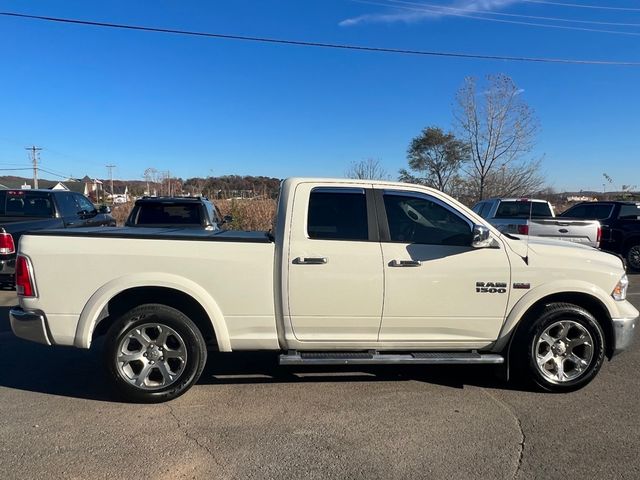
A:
<point x="120" y="212"/>
<point x="249" y="214"/>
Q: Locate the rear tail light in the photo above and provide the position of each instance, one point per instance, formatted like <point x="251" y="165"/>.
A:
<point x="598" y="236"/>
<point x="7" y="246"/>
<point x="523" y="229"/>
<point x="24" y="280"/>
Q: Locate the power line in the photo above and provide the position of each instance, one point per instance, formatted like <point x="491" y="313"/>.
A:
<point x="513" y="22"/>
<point x="323" y="44"/>
<point x="396" y="4"/>
<point x="581" y="5"/>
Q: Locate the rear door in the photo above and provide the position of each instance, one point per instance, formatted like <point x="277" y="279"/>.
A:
<point x="335" y="284"/>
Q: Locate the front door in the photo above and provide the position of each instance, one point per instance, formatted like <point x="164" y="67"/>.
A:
<point x="433" y="276"/>
<point x="335" y="283"/>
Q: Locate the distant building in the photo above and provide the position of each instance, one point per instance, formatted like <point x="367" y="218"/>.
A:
<point x="581" y="198"/>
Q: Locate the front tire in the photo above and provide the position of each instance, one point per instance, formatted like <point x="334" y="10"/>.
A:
<point x="562" y="350"/>
<point x="154" y="353"/>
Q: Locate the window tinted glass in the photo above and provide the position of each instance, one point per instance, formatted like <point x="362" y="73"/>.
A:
<point x="67" y="204"/>
<point x="336" y="215"/>
<point x="421" y="220"/>
<point x="520" y="209"/>
<point x="28" y="204"/>
<point x="486" y="207"/>
<point x="630" y="212"/>
<point x="84" y="203"/>
<point x="169" y="214"/>
<point x="589" y="212"/>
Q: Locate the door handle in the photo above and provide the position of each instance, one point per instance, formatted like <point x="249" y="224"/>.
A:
<point x="310" y="260"/>
<point x="405" y="263"/>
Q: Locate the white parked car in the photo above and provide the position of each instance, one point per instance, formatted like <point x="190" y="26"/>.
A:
<point x="356" y="272"/>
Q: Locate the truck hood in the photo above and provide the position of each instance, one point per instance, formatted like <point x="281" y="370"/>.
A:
<point x="549" y="250"/>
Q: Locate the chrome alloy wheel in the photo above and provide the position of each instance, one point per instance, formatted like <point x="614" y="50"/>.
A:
<point x="563" y="351"/>
<point x="151" y="356"/>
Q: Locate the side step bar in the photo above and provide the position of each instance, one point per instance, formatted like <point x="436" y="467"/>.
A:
<point x="374" y="357"/>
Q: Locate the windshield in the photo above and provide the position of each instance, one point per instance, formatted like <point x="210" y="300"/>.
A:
<point x="24" y="203"/>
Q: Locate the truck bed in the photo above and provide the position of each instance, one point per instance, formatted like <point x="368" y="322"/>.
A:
<point x="168" y="233"/>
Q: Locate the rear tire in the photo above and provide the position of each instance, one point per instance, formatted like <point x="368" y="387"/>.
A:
<point x="562" y="350"/>
<point x="632" y="258"/>
<point x="154" y="353"/>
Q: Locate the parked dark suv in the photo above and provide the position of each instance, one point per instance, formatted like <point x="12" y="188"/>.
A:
<point x="620" y="227"/>
<point x="23" y="211"/>
<point x="162" y="212"/>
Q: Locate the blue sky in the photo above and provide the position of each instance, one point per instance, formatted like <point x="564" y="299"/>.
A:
<point x="199" y="107"/>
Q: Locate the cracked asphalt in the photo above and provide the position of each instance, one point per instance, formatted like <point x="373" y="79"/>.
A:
<point x="250" y="418"/>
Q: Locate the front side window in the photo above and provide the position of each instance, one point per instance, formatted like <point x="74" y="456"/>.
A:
<point x="84" y="204"/>
<point x="338" y="214"/>
<point x="418" y="219"/>
<point x="486" y="208"/>
<point x="67" y="204"/>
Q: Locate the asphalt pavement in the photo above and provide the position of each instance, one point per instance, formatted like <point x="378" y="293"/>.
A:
<point x="250" y="418"/>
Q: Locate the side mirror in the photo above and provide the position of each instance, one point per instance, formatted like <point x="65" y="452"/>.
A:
<point x="227" y="219"/>
<point x="104" y="209"/>
<point x="481" y="237"/>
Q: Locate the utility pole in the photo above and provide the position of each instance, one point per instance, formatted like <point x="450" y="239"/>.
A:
<point x="110" y="168"/>
<point x="34" y="158"/>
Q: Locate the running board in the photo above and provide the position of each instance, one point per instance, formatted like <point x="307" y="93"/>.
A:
<point x="377" y="358"/>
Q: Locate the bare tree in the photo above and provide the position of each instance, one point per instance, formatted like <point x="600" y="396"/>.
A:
<point x="516" y="180"/>
<point x="500" y="129"/>
<point x="369" y="169"/>
<point x="436" y="155"/>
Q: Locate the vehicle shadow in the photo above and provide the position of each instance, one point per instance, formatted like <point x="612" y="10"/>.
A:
<point x="71" y="372"/>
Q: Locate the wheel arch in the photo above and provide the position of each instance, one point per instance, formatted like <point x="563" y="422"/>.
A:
<point x="122" y="294"/>
<point x="587" y="300"/>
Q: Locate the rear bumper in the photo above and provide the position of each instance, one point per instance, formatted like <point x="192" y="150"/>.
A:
<point x="30" y="325"/>
<point x="624" y="330"/>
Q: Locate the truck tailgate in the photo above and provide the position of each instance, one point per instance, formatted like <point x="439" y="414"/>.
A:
<point x="585" y="232"/>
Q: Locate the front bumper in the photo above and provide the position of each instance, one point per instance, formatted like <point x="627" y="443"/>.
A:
<point x="624" y="330"/>
<point x="30" y="325"/>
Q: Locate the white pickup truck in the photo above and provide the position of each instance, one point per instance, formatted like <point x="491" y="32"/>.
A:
<point x="356" y="272"/>
<point x="525" y="216"/>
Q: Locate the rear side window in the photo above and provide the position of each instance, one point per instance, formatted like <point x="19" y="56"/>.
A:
<point x="338" y="214"/>
<point x="589" y="212"/>
<point x="168" y="214"/>
<point x="23" y="203"/>
<point x="630" y="212"/>
<point x="521" y="209"/>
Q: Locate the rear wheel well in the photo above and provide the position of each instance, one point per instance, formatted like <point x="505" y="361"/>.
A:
<point x="133" y="297"/>
<point x="586" y="301"/>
